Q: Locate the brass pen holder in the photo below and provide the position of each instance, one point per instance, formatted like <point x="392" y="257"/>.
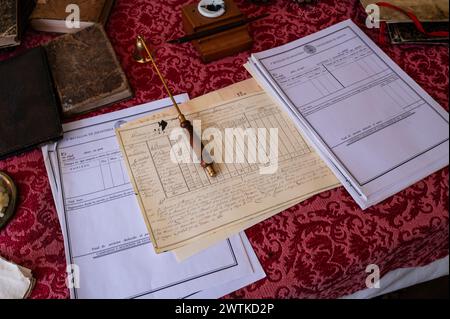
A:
<point x="143" y="55"/>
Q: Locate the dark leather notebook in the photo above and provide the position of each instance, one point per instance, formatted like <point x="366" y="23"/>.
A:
<point x="29" y="114"/>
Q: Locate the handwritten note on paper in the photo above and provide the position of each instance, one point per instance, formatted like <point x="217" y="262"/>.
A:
<point x="182" y="204"/>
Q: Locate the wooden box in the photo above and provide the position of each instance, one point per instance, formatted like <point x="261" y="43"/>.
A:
<point x="221" y="44"/>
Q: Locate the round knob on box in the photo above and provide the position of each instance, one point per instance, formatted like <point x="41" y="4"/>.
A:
<point x="211" y="8"/>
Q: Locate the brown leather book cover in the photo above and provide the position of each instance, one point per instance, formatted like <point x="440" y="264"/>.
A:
<point x="13" y="19"/>
<point x="50" y="15"/>
<point x="425" y="10"/>
<point x="29" y="113"/>
<point x="86" y="72"/>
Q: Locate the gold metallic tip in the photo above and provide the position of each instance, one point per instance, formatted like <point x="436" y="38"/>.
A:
<point x="181" y="118"/>
<point x="210" y="170"/>
<point x="140" y="55"/>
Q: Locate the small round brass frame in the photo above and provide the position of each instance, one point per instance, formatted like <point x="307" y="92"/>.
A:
<point x="11" y="190"/>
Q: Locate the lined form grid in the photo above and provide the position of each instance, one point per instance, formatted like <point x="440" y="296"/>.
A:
<point x="107" y="166"/>
<point x="291" y="145"/>
<point x="330" y="77"/>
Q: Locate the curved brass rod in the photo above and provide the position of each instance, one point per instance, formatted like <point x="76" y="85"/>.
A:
<point x="140" y="44"/>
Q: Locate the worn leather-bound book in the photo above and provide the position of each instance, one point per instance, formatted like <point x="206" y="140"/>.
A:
<point x="29" y="113"/>
<point x="13" y="19"/>
<point x="86" y="72"/>
<point x="51" y="15"/>
<point x="424" y="10"/>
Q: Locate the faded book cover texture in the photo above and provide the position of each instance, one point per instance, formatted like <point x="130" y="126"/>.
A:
<point x="90" y="10"/>
<point x="425" y="10"/>
<point x="8" y="21"/>
<point x="86" y="71"/>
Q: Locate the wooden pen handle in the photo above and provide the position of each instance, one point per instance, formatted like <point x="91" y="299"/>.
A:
<point x="186" y="124"/>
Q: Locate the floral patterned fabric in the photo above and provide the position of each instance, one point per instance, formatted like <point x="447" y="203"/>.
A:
<point x="317" y="249"/>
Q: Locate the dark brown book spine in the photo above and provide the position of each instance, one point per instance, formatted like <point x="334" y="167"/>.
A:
<point x="106" y="12"/>
<point x="25" y="8"/>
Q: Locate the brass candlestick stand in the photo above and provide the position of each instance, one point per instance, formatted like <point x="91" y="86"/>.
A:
<point x="143" y="55"/>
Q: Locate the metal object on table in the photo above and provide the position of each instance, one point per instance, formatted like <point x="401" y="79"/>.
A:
<point x="143" y="55"/>
<point x="7" y="213"/>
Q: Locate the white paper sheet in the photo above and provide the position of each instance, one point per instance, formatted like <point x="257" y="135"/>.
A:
<point x="225" y="289"/>
<point x="105" y="235"/>
<point x="374" y="126"/>
<point x="16" y="282"/>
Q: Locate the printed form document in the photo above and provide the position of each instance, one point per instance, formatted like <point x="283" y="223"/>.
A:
<point x="183" y="206"/>
<point x="376" y="128"/>
<point x="105" y="236"/>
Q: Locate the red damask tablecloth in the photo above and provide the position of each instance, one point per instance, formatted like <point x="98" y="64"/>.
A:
<point x="317" y="249"/>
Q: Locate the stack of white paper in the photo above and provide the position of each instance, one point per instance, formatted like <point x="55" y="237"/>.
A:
<point x="108" y="249"/>
<point x="377" y="130"/>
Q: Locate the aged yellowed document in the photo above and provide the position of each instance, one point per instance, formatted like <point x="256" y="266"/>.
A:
<point x="231" y="92"/>
<point x="184" y="207"/>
